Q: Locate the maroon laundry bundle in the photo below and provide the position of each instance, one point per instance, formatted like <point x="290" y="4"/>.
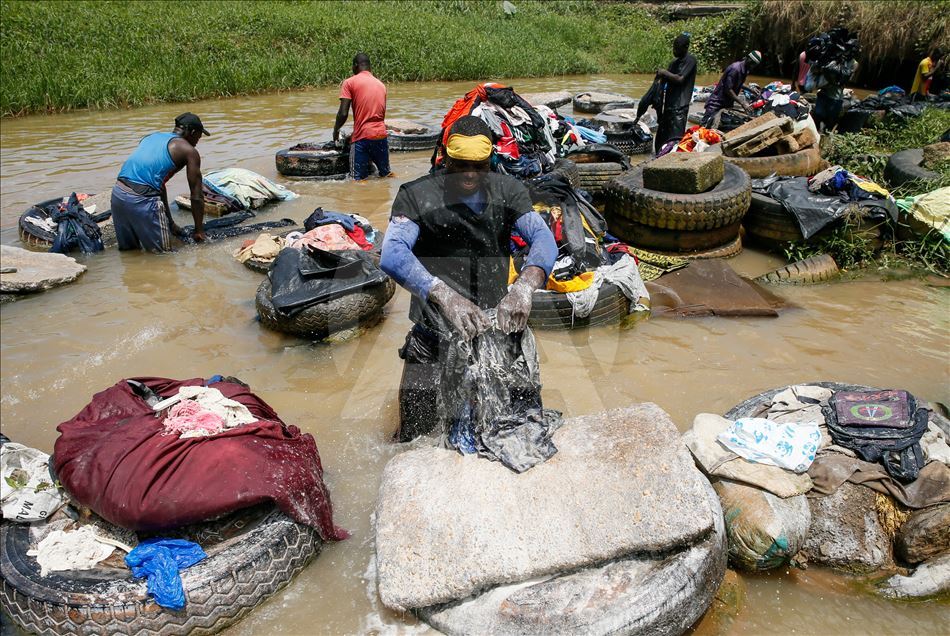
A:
<point x="113" y="458"/>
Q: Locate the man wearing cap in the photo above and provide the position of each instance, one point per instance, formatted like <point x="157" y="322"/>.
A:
<point x="449" y="244"/>
<point x="140" y="209"/>
<point x="728" y="90"/>
<point x="367" y="95"/>
<point x="677" y="82"/>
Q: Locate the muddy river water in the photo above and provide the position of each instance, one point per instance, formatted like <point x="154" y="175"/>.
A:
<point x="192" y="314"/>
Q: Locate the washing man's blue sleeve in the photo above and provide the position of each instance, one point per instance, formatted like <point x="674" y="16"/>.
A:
<point x="543" y="248"/>
<point x="398" y="261"/>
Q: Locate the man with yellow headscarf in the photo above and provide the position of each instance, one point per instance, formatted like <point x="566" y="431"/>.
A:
<point x="449" y="244"/>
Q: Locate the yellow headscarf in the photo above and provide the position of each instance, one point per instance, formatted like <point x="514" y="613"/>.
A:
<point x="465" y="148"/>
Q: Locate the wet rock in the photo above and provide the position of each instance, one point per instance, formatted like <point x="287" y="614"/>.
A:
<point x="551" y="99"/>
<point x="925" y="534"/>
<point x="931" y="578"/>
<point x="35" y="271"/>
<point x="846" y="533"/>
<point x="449" y="525"/>
<point x="662" y="593"/>
<point x="764" y="531"/>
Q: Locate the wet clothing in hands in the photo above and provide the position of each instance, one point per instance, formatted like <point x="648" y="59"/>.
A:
<point x="671" y="118"/>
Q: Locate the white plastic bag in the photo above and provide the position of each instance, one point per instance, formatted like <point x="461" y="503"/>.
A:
<point x="26" y="491"/>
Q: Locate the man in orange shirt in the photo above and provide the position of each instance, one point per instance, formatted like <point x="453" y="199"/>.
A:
<point x="368" y="145"/>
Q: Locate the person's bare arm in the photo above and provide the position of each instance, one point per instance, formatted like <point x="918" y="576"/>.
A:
<point x="341" y="116"/>
<point x="739" y="98"/>
<point x="168" y="212"/>
<point x="193" y="172"/>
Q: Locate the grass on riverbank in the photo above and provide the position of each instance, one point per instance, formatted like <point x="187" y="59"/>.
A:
<point x="865" y="153"/>
<point x="65" y="55"/>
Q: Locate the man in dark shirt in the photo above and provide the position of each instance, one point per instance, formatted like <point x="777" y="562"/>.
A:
<point x="449" y="244"/>
<point x="729" y="89"/>
<point x="678" y="81"/>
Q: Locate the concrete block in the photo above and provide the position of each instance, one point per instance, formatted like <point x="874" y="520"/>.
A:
<point x="684" y="172"/>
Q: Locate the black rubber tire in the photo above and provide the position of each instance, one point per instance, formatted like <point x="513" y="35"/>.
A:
<point x="567" y="169"/>
<point x="594" y="176"/>
<point x="804" y="163"/>
<point x="300" y="163"/>
<point x="814" y="269"/>
<point x="257" y="265"/>
<point x="733" y="248"/>
<point x="31" y="238"/>
<point x="769" y="225"/>
<point x="595" y="106"/>
<point x="362" y="308"/>
<point x="236" y="577"/>
<point x="758" y="404"/>
<point x="652" y="238"/>
<point x="904" y="167"/>
<point x="629" y="144"/>
<point x="410" y="143"/>
<point x="723" y="205"/>
<point x="552" y="310"/>
<point x="649" y="593"/>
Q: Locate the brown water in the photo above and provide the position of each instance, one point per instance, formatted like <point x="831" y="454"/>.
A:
<point x="192" y="314"/>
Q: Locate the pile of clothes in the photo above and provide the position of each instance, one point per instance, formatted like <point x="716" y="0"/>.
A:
<point x="695" y="139"/>
<point x="527" y="139"/>
<point x="239" y="189"/>
<point x="830" y="195"/>
<point x="68" y="224"/>
<point x="782" y="100"/>
<point x="329" y="231"/>
<point x="585" y="259"/>
<point x="832" y="57"/>
<point x="893" y="101"/>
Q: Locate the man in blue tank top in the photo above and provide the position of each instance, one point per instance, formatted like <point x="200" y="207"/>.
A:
<point x="140" y="209"/>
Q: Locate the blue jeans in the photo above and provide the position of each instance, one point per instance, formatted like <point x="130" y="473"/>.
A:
<point x="367" y="152"/>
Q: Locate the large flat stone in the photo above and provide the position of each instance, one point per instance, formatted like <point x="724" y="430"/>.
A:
<point x="647" y="593"/>
<point x="684" y="172"/>
<point x="551" y="99"/>
<point x="35" y="271"/>
<point x="449" y="525"/>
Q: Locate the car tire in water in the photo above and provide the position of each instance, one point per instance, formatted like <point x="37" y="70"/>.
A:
<point x="552" y="310"/>
<point x="262" y="551"/>
<point x="399" y="142"/>
<point x="361" y="308"/>
<point x="723" y="205"/>
<point x="296" y="162"/>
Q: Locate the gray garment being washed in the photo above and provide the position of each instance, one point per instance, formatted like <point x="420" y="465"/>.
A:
<point x="490" y="396"/>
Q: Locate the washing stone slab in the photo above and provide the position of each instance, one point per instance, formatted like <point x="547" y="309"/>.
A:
<point x="449" y="525"/>
<point x="35" y="271"/>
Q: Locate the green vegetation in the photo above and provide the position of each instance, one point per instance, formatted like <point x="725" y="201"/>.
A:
<point x="64" y="55"/>
<point x="865" y="153"/>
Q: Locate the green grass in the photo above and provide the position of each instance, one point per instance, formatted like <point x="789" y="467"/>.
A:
<point x="64" y="55"/>
<point x="865" y="153"/>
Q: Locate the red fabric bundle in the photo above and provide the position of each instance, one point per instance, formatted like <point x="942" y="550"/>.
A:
<point x="113" y="458"/>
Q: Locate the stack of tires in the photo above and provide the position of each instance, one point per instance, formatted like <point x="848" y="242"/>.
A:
<point x="701" y="225"/>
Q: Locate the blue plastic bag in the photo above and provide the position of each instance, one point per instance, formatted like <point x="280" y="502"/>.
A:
<point x="160" y="561"/>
